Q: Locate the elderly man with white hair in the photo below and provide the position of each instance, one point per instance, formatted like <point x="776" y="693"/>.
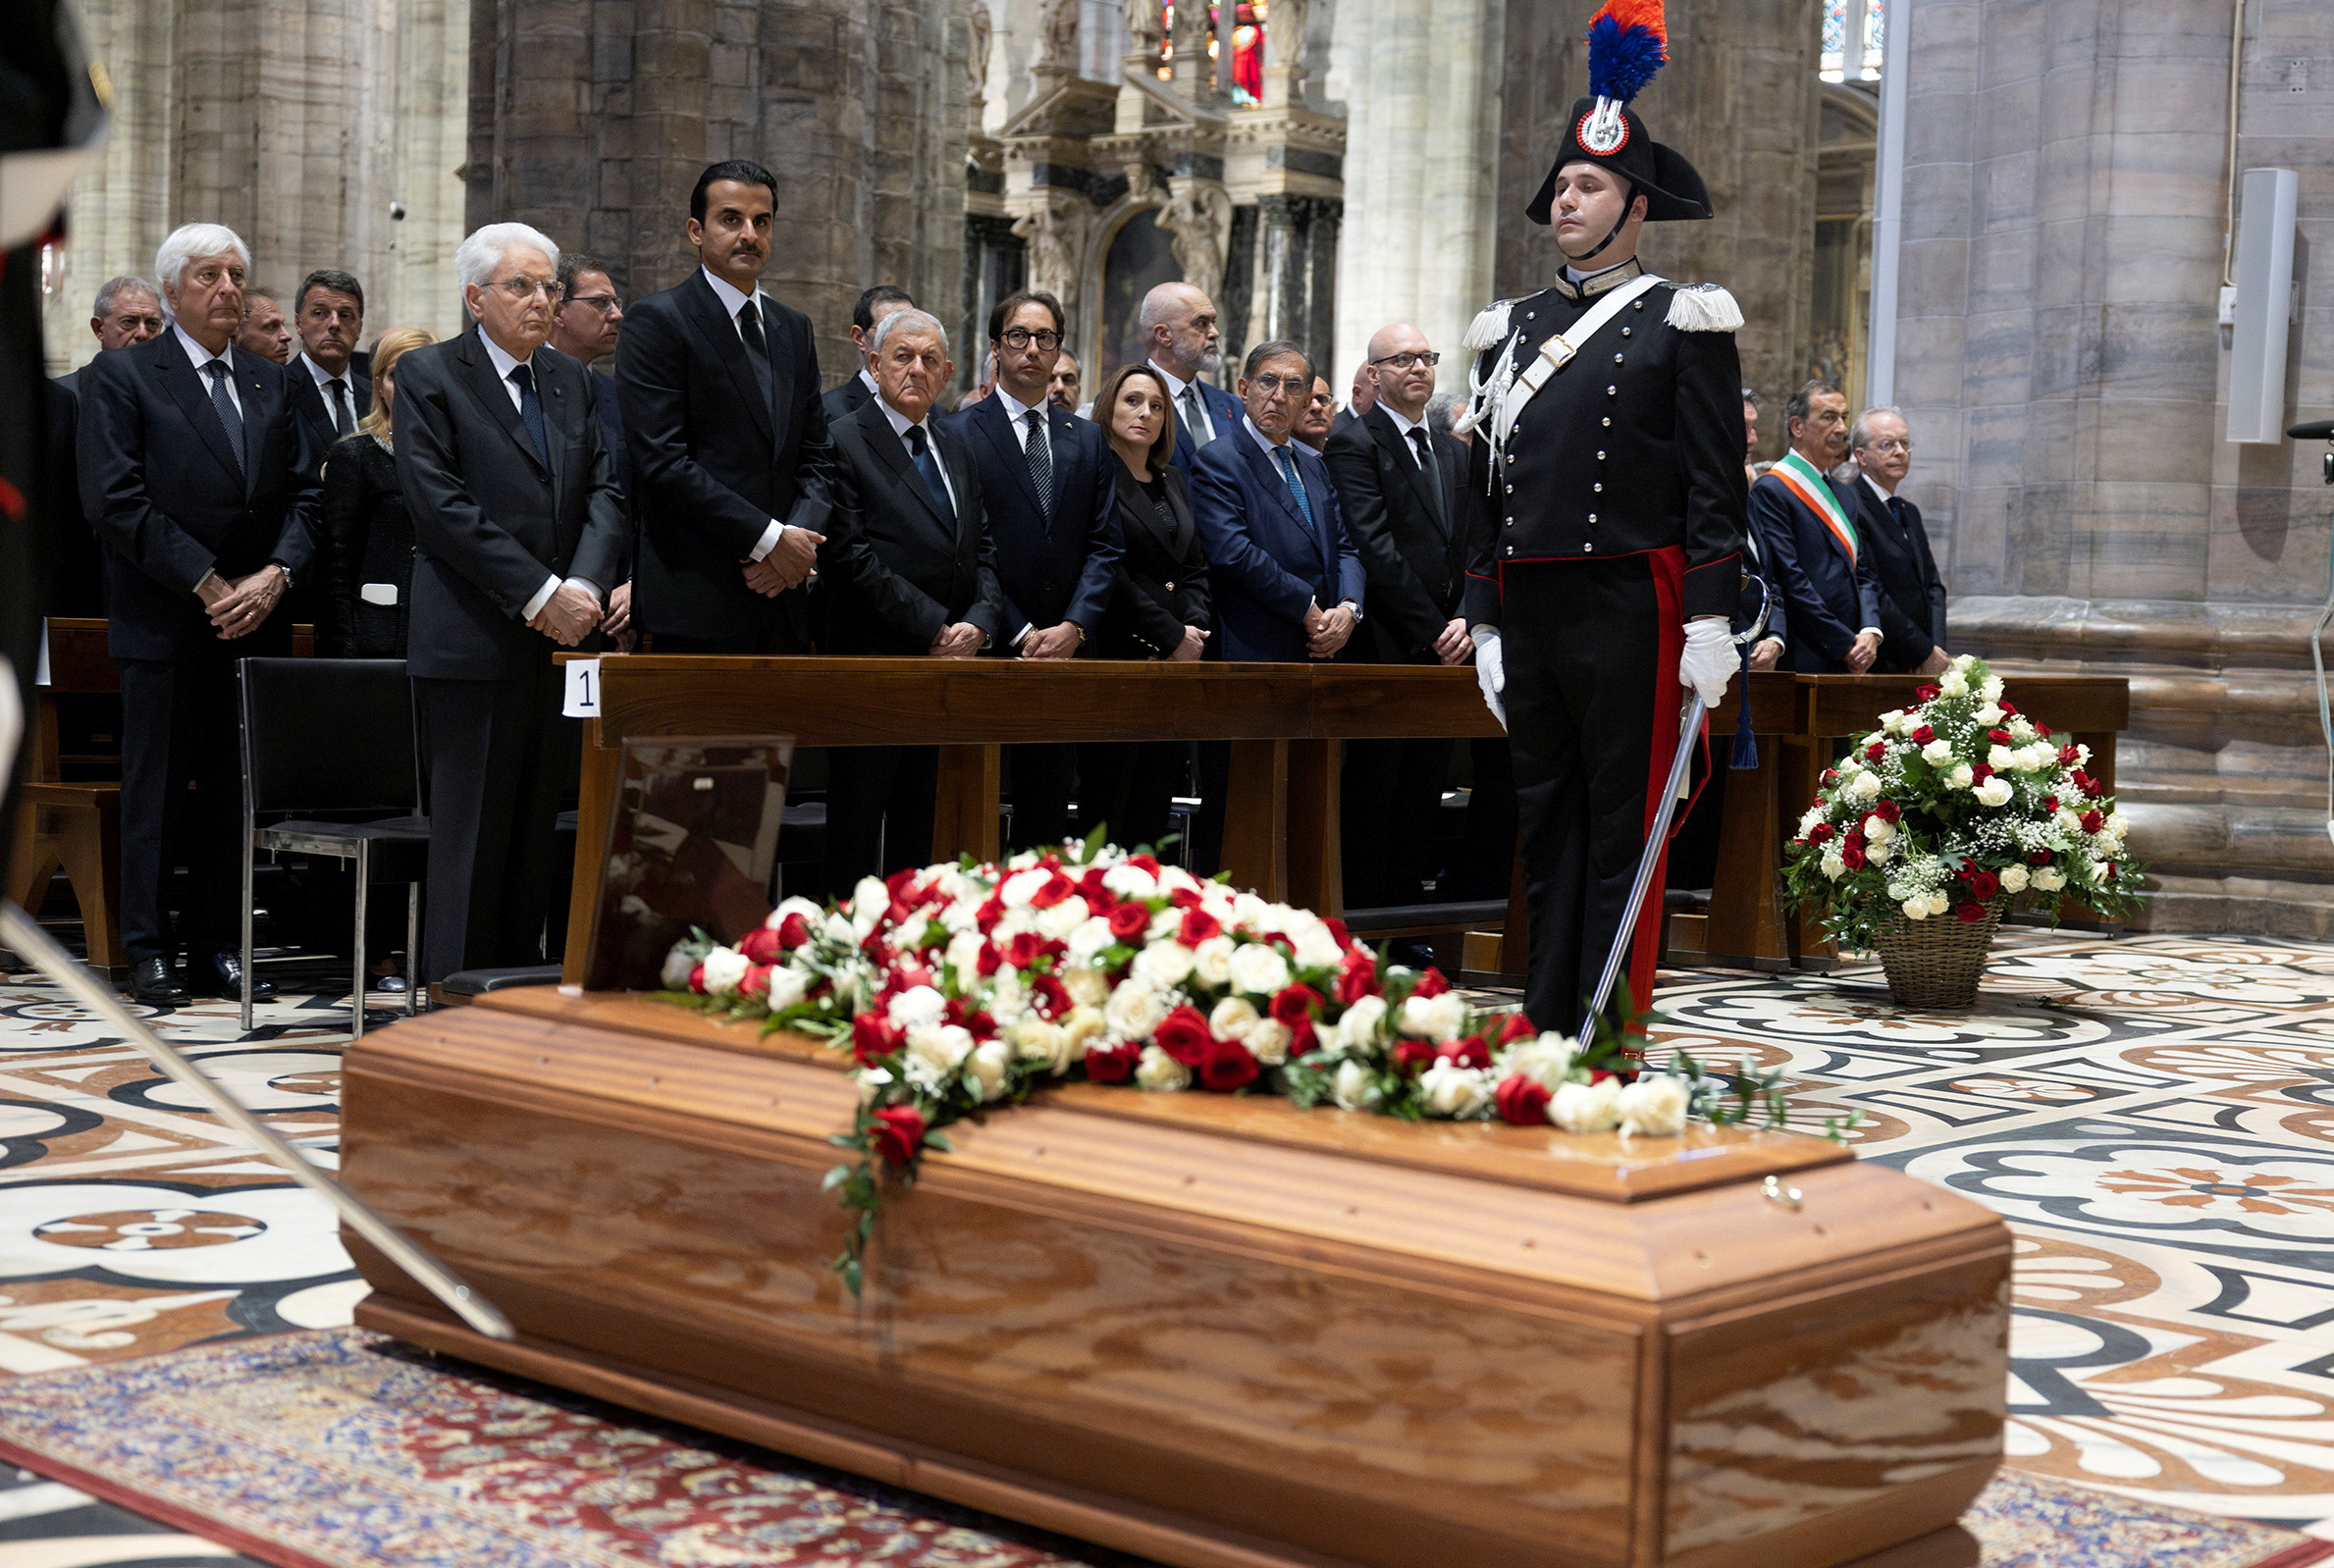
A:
<point x="519" y="530"/>
<point x="203" y="488"/>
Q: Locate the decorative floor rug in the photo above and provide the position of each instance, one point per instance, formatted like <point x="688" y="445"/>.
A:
<point x="337" y="1448"/>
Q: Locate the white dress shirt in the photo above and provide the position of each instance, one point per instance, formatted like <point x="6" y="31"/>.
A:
<point x="203" y="356"/>
<point x="1402" y="426"/>
<point x="874" y="389"/>
<point x="1203" y="428"/>
<point x="504" y="365"/>
<point x="733" y="300"/>
<point x="1877" y="488"/>
<point x="901" y="424"/>
<point x="1017" y="414"/>
<point x="324" y="380"/>
<point x="1272" y="448"/>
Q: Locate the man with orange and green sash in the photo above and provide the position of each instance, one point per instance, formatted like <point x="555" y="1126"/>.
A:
<point x="1817" y="566"/>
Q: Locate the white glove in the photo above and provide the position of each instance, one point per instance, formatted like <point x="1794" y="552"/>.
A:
<point x="1490" y="672"/>
<point x="1708" y="661"/>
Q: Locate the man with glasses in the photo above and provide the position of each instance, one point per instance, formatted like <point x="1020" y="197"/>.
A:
<point x="519" y="534"/>
<point x="729" y="436"/>
<point x="584" y="328"/>
<point x="1048" y="491"/>
<point x="1912" y="593"/>
<point x="1313" y="426"/>
<point x="1284" y="574"/>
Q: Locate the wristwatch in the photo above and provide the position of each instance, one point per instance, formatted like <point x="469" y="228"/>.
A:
<point x="1354" y="608"/>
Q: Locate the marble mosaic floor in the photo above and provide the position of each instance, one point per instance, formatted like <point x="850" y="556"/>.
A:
<point x="2154" y="1114"/>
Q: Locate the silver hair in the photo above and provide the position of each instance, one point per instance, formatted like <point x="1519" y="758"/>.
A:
<point x="477" y="257"/>
<point x="189" y="243"/>
<point x="1440" y="409"/>
<point x="910" y="317"/>
<point x="113" y="288"/>
<point x="1861" y="428"/>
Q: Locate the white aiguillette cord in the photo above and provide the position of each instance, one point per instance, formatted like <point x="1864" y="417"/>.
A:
<point x="22" y="933"/>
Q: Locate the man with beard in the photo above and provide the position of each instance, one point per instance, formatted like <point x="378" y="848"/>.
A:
<point x="1179" y="329"/>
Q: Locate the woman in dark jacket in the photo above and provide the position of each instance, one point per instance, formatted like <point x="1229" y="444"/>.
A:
<point x="1160" y="609"/>
<point x="368" y="538"/>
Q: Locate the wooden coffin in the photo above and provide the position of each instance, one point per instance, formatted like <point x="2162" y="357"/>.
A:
<point x="1219" y="1333"/>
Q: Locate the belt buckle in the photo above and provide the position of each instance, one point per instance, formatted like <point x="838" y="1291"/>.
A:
<point x="1558" y="352"/>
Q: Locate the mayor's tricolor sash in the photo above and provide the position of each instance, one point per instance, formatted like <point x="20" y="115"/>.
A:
<point x="1810" y="486"/>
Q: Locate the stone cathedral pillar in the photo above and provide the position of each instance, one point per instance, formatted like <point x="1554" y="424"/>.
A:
<point x="592" y="123"/>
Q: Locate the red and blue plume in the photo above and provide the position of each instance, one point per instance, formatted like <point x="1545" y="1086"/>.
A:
<point x="1628" y="42"/>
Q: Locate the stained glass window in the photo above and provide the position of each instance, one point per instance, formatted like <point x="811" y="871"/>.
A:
<point x="1855" y="34"/>
<point x="1247" y="45"/>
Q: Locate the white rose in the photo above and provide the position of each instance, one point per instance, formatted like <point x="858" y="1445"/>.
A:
<point x="939" y="1051"/>
<point x="1258" y="969"/>
<point x="1996" y="791"/>
<point x="917" y="1007"/>
<point x="1158" y="1070"/>
<point x="2067" y="819"/>
<point x="1916" y="907"/>
<point x="1433" y="1017"/>
<point x="679" y="963"/>
<point x="870" y="900"/>
<point x="1211" y="963"/>
<point x="2117" y="825"/>
<point x="1961" y="777"/>
<point x="1082" y="1028"/>
<point x="2014" y="879"/>
<point x="1653" y="1108"/>
<point x="1092" y="937"/>
<point x="725" y="966"/>
<point x="1232" y="1018"/>
<point x="1451" y="1090"/>
<point x="1878" y="830"/>
<point x="1586" y="1106"/>
<point x="1021" y="886"/>
<point x="1954" y="683"/>
<point x="1998" y="757"/>
<point x="1131" y="882"/>
<point x="963" y="957"/>
<point x="1358" y="1029"/>
<point x="1036" y="1040"/>
<point x="1991" y="691"/>
<point x="1878" y="853"/>
<point x="1938" y="903"/>
<point x="873" y="1081"/>
<point x="1087" y="987"/>
<point x="1814" y="814"/>
<point x="1832" y="865"/>
<point x="2022" y="730"/>
<point x="1938" y="753"/>
<point x="1175" y="880"/>
<point x="1058" y="920"/>
<point x="989" y="1071"/>
<point x="1987" y="714"/>
<point x="1252" y="912"/>
<point x="1354" y="1087"/>
<point x="1316" y="948"/>
<point x="1867" y="786"/>
<point x="1163" y="965"/>
<point x="1133" y="1010"/>
<point x="1269" y="1041"/>
<point x="787" y="986"/>
<point x="839" y="930"/>
<point x="811" y="913"/>
<point x="1545" y="1059"/>
<point x="908" y="936"/>
<point x="2050" y="879"/>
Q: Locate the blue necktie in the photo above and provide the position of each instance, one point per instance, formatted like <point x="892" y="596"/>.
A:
<point x="927" y="464"/>
<point x="1896" y="513"/>
<point x="530" y="409"/>
<point x="1304" y="508"/>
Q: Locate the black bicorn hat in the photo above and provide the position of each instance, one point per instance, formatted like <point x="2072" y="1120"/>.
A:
<point x="1611" y="135"/>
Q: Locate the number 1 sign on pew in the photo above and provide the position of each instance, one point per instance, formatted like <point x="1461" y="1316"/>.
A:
<point x="583" y="688"/>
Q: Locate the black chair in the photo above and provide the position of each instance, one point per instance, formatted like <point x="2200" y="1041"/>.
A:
<point x="328" y="745"/>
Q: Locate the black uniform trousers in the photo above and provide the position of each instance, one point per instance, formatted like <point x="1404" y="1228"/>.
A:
<point x="879" y="806"/>
<point x="1591" y="661"/>
<point x="499" y="757"/>
<point x="1390" y="795"/>
<point x="179" y="730"/>
<point x="1131" y="786"/>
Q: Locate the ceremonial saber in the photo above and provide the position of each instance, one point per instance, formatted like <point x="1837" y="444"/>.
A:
<point x="23" y="933"/>
<point x="1658" y="841"/>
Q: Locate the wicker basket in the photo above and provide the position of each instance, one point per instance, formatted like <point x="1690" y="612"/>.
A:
<point x="1934" y="963"/>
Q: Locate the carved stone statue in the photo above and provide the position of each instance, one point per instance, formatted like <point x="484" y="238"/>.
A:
<point x="1056" y="234"/>
<point x="1059" y="48"/>
<point x="1197" y="219"/>
<point x="1283" y="32"/>
<point x="1143" y="31"/>
<point x="977" y="57"/>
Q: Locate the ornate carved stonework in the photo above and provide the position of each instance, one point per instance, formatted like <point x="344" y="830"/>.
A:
<point x="1199" y="215"/>
<point x="1055" y="231"/>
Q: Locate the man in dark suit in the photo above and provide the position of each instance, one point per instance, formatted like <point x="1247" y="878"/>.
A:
<point x="720" y="395"/>
<point x="265" y="331"/>
<point x="1049" y="500"/>
<point x="1287" y="583"/>
<point x="127" y="312"/>
<point x="1912" y="592"/>
<point x="585" y="330"/>
<point x="1179" y="329"/>
<point x="1402" y="490"/>
<point x="1815" y="562"/>
<point x="910" y="570"/>
<point x="332" y="391"/>
<point x="874" y="305"/>
<point x="519" y="530"/>
<point x="200" y="479"/>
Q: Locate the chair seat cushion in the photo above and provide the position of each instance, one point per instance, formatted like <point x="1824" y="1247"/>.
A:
<point x="398" y="848"/>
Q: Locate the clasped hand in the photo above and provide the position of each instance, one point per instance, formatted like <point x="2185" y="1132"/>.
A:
<point x="1326" y="631"/>
<point x="794" y="558"/>
<point x="960" y="641"/>
<point x="568" y="616"/>
<point x="238" y="607"/>
<point x="1054" y="642"/>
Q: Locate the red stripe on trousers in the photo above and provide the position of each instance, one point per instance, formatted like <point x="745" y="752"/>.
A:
<point x="1667" y="698"/>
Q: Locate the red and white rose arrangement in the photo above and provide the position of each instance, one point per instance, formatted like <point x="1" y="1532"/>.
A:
<point x="959" y="986"/>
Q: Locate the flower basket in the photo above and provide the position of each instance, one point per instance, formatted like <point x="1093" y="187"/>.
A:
<point x="1929" y="829"/>
<point x="1934" y="964"/>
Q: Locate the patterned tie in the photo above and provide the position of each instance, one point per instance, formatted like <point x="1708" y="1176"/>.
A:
<point x="1041" y="455"/>
<point x="530" y="409"/>
<point x="749" y="326"/>
<point x="343" y="421"/>
<point x="1896" y="513"/>
<point x="1305" y="506"/>
<point x="1434" y="478"/>
<point x="229" y="415"/>
<point x="927" y="463"/>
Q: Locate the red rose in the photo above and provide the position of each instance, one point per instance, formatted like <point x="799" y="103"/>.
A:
<point x="1090" y="886"/>
<point x="912" y="975"/>
<point x="1053" y="890"/>
<point x="1984" y="885"/>
<point x="1970" y="914"/>
<point x="1889" y="811"/>
<point x="1112" y="1064"/>
<point x="1471" y="1052"/>
<point x="1980" y="772"/>
<point x="1183" y="1035"/>
<point x="991" y="911"/>
<point x="1294" y="1004"/>
<point x="2039" y="857"/>
<point x="2108" y="876"/>
<point x="1927" y="694"/>
<point x="1198" y="925"/>
<point x="1829" y="777"/>
<point x="2049" y="803"/>
<point x="1517" y="1027"/>
<point x="1049" y="996"/>
<point x="2092" y="787"/>
<point x="1411" y="1056"/>
<point x="793" y="932"/>
<point x="697" y="978"/>
<point x="1129" y="921"/>
<point x="1520" y="1100"/>
<point x="1875" y="751"/>
<point x="1026" y="949"/>
<point x="1998" y="736"/>
<point x="1819" y="833"/>
<point x="1184" y="898"/>
<point x="2093" y="822"/>
<point x="1924" y="735"/>
<point x="1144" y="863"/>
<point x="2042" y="729"/>
<point x="2068" y="757"/>
<point x="1431" y="984"/>
<point x="756" y="982"/>
<point x="1227" y="1066"/>
<point x="762" y="945"/>
<point x="1337" y="931"/>
<point x="1356" y="976"/>
<point x="898" y="1132"/>
<point x="2008" y="707"/>
<point x="1851" y="854"/>
<point x="989" y="960"/>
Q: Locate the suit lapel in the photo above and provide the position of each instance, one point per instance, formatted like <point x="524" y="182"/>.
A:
<point x="964" y="475"/>
<point x="714" y="324"/>
<point x="996" y="429"/>
<point x="258" y="414"/>
<point x="552" y="387"/>
<point x="892" y="453"/>
<point x="490" y="391"/>
<point x="186" y="389"/>
<point x="1277" y="483"/>
<point x="1406" y="459"/>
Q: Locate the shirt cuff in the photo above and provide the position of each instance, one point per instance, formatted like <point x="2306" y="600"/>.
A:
<point x="1868" y="630"/>
<point x="769" y="541"/>
<point x="534" y="606"/>
<point x="589" y="587"/>
<point x="1022" y="636"/>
